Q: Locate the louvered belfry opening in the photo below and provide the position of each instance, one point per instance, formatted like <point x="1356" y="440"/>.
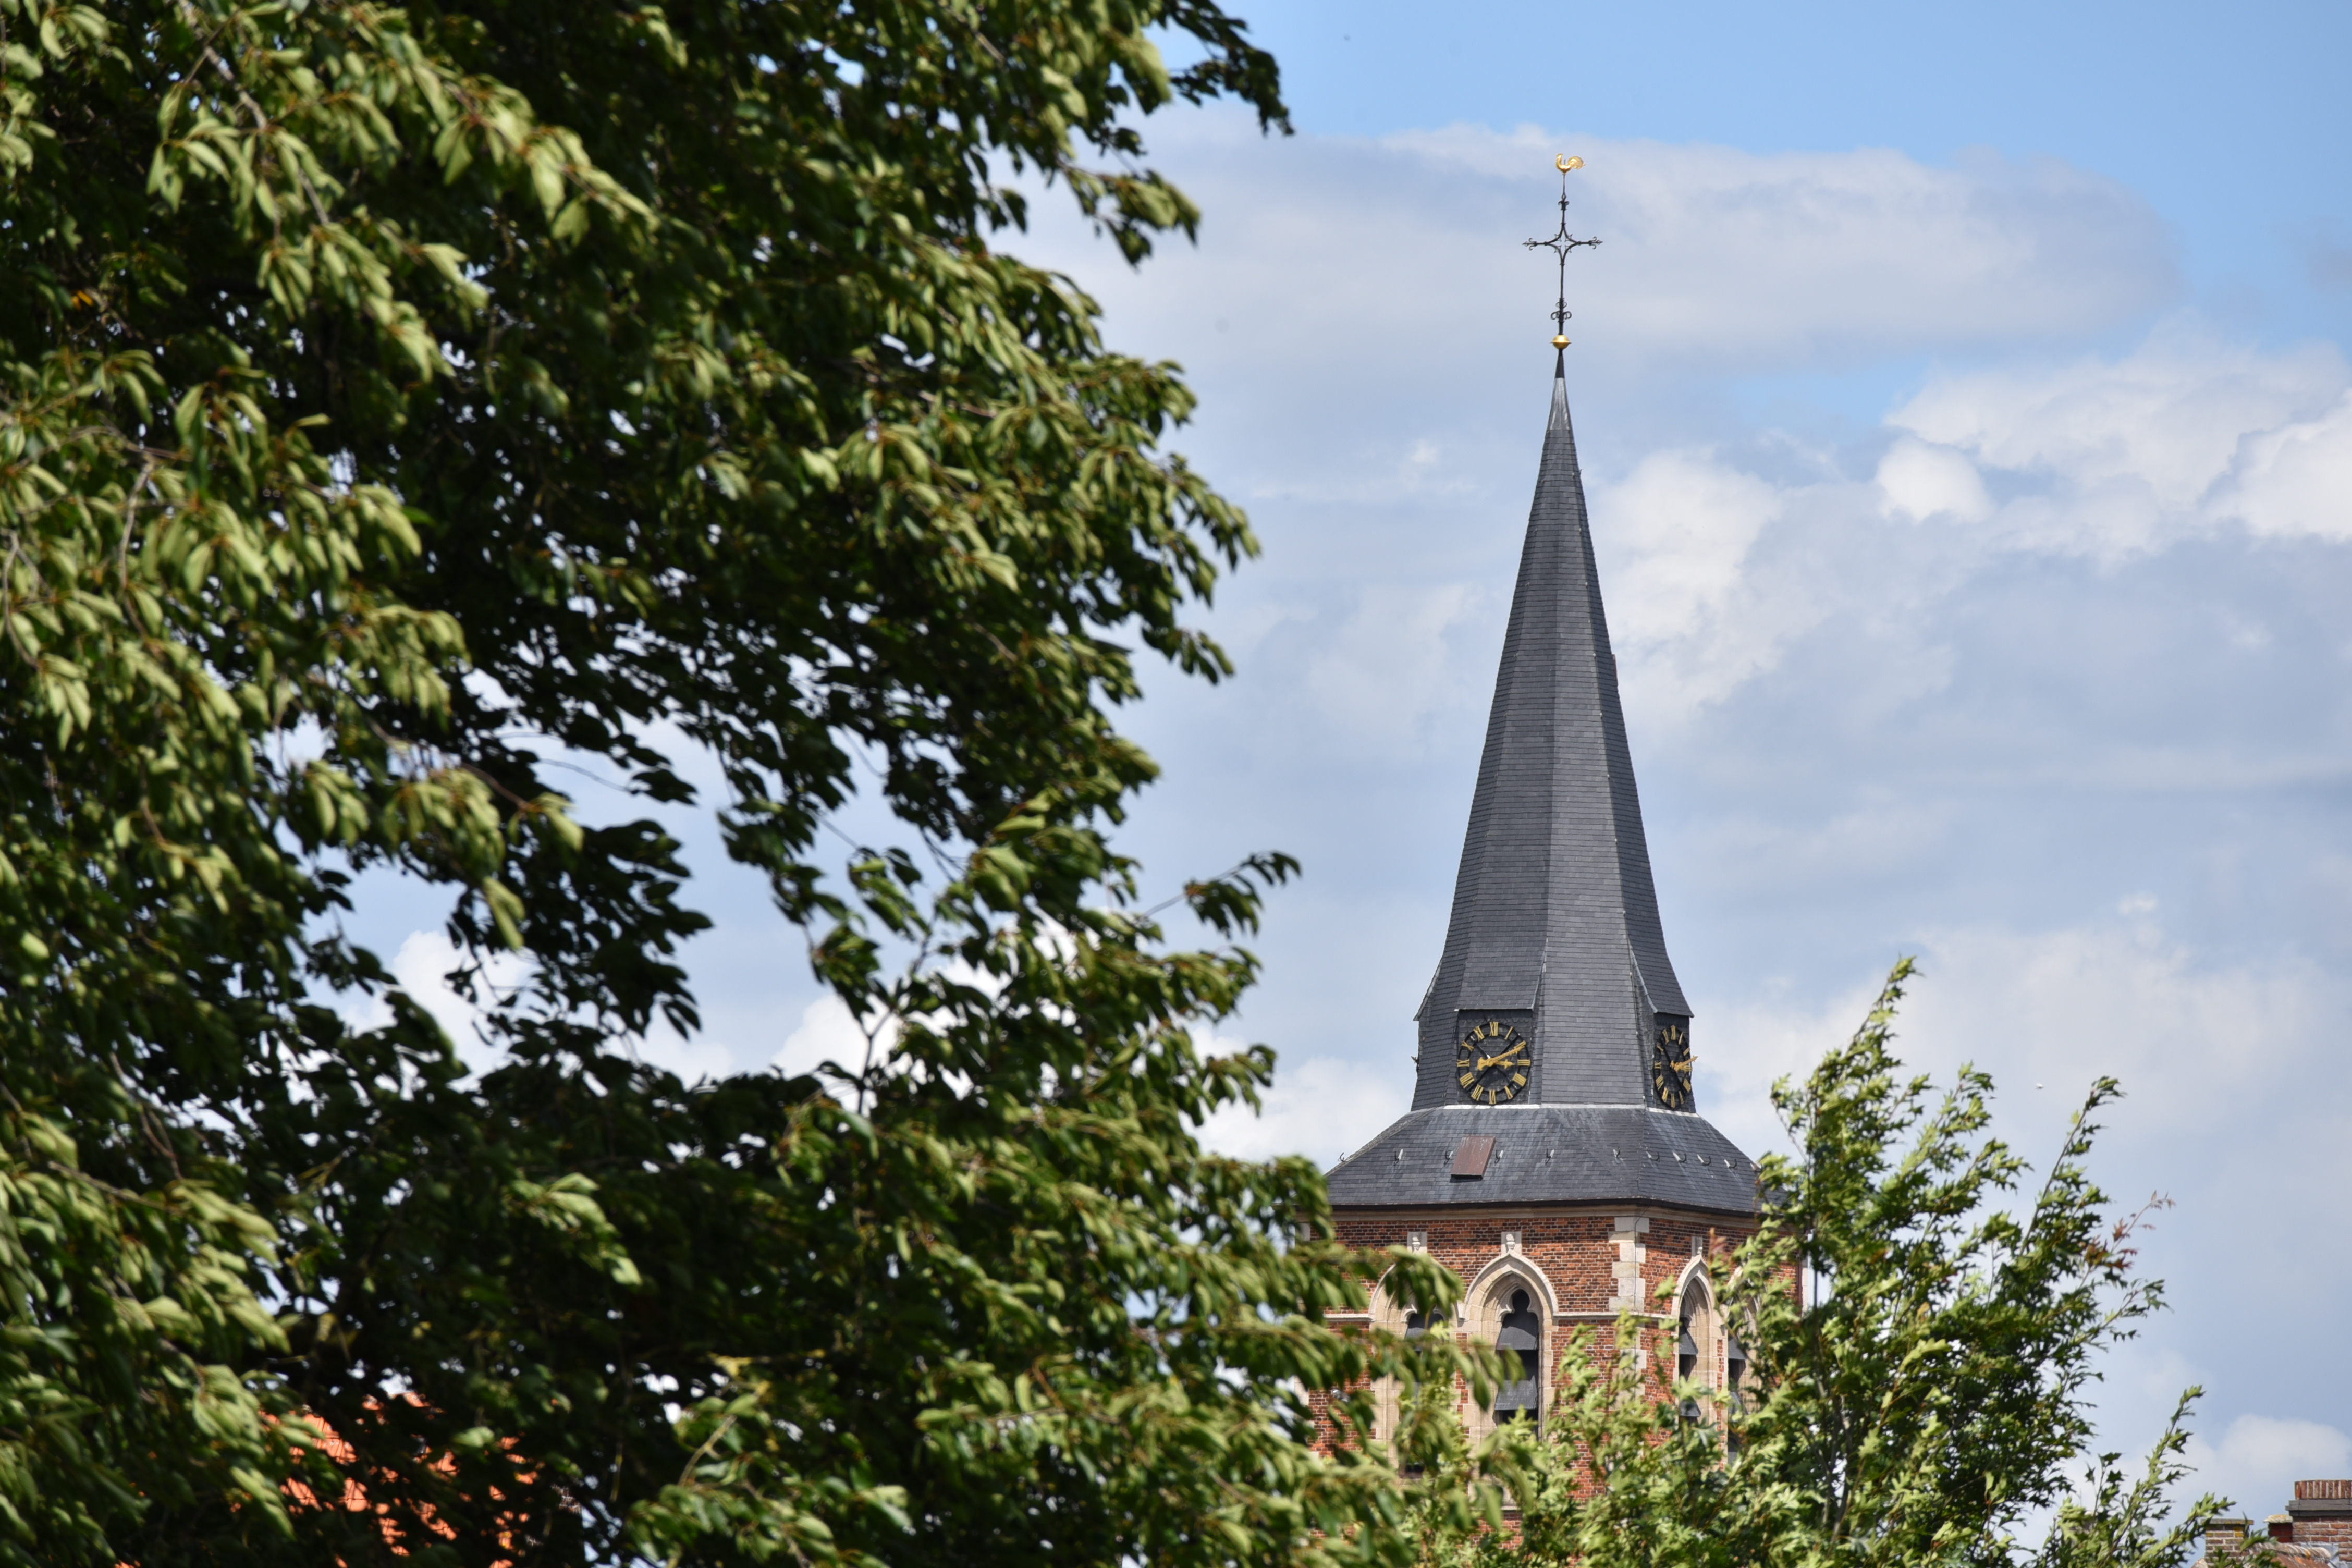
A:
<point x="1521" y="1344"/>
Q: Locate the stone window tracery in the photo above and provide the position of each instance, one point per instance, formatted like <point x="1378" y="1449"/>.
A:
<point x="1694" y="1341"/>
<point x="1391" y="1315"/>
<point x="1510" y="1307"/>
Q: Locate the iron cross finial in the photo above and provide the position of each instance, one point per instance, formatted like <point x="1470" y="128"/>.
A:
<point x="1560" y="245"/>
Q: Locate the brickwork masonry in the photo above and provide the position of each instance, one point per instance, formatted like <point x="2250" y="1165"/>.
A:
<point x="2315" y="1530"/>
<point x="1582" y="1269"/>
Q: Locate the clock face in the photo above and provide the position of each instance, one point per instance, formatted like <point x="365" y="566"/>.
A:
<point x="1492" y="1064"/>
<point x="1669" y="1066"/>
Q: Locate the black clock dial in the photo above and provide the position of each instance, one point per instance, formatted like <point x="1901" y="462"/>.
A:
<point x="1670" y="1067"/>
<point x="1492" y="1064"/>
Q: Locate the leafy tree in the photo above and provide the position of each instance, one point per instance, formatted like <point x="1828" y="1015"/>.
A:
<point x="401" y="403"/>
<point x="1921" y="1354"/>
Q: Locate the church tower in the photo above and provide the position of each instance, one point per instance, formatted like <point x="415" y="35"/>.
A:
<point x="1555" y="1157"/>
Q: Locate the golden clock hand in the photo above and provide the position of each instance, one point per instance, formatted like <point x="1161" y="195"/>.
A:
<point x="1485" y="1062"/>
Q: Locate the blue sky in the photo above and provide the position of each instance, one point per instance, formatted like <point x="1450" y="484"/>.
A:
<point x="1967" y="427"/>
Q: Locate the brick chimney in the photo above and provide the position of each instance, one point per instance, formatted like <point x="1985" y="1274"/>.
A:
<point x="2226" y="1537"/>
<point x="2322" y="1515"/>
<point x="2281" y="1528"/>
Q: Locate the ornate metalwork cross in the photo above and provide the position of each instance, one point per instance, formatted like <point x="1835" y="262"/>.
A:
<point x="1560" y="245"/>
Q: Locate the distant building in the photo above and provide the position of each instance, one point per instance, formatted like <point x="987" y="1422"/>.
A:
<point x="2315" y="1528"/>
<point x="1555" y="1157"/>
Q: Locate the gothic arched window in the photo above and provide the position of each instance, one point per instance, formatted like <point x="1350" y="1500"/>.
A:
<point x="1521" y="1343"/>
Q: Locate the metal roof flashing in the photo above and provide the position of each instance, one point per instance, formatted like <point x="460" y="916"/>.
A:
<point x="1470" y="1157"/>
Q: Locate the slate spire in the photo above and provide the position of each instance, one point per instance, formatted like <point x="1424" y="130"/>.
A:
<point x="1555" y="1052"/>
<point x="1555" y="928"/>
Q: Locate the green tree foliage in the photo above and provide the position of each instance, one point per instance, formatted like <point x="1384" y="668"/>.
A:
<point x="1922" y="1348"/>
<point x="400" y="401"/>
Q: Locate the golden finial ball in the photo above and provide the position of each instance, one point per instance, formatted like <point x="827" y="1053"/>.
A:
<point x="1560" y="342"/>
<point x="1565" y="164"/>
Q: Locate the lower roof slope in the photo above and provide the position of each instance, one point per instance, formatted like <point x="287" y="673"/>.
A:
<point x="1631" y="1155"/>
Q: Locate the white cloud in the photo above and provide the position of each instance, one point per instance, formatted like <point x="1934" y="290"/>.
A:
<point x="2296" y="480"/>
<point x="1374" y="290"/>
<point x="2067" y="1006"/>
<point x="1334" y="385"/>
<point x="2176" y="439"/>
<point x="1345" y="363"/>
<point x="1391" y="660"/>
<point x="828" y="1033"/>
<point x="421" y="967"/>
<point x="692" y="1059"/>
<point x="1883" y="835"/>
<point x="1319" y="1106"/>
<point x="2170" y="414"/>
<point x="1740" y="1048"/>
<point x="1923" y="482"/>
<point x="1690" y="616"/>
<point x="425" y="958"/>
<point x="1718" y="254"/>
<point x="2062" y="1008"/>
<point x="2258" y="1460"/>
<point x="1714" y="572"/>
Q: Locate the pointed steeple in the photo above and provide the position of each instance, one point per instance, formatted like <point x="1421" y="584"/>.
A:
<point x="1554" y="1066"/>
<point x="1555" y="928"/>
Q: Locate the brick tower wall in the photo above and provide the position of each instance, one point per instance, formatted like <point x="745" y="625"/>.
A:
<point x="1597" y="1265"/>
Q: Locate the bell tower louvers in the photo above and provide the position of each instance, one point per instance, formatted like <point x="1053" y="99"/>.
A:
<point x="1555" y="926"/>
